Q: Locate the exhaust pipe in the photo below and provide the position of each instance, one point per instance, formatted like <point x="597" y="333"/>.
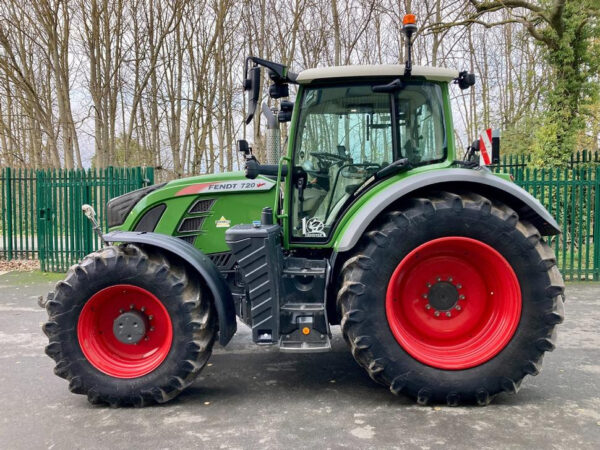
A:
<point x="273" y="138"/>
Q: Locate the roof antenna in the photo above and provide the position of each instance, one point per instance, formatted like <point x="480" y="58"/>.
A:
<point x="409" y="27"/>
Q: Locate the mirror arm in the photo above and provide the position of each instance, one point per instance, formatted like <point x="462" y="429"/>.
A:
<point x="280" y="70"/>
<point x="253" y="169"/>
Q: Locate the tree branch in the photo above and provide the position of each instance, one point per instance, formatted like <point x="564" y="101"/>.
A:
<point x="484" y="7"/>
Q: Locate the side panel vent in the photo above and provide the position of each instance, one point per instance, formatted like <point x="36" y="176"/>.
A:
<point x="191" y="224"/>
<point x="150" y="218"/>
<point x="223" y="261"/>
<point x="188" y="239"/>
<point x="202" y="206"/>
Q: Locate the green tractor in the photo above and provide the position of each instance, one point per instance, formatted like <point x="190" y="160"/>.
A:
<point x="436" y="269"/>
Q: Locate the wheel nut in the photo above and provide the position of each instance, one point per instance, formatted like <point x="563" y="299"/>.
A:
<point x="428" y="285"/>
<point x="439" y="279"/>
<point x="150" y="317"/>
<point x="450" y="279"/>
<point x="151" y="328"/>
<point x="458" y="308"/>
<point x="427" y="306"/>
<point x="462" y="297"/>
<point x="458" y="286"/>
<point x="131" y="306"/>
<point x="448" y="314"/>
<point x="121" y="311"/>
<point x="146" y="338"/>
<point x="437" y="313"/>
<point x="143" y="309"/>
<point x="424" y="295"/>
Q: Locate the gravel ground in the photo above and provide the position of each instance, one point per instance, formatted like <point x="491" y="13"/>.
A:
<point x="256" y="397"/>
<point x="22" y="265"/>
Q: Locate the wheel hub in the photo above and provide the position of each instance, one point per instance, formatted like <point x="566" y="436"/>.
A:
<point x="130" y="327"/>
<point x="453" y="303"/>
<point x="443" y="296"/>
<point x="125" y="331"/>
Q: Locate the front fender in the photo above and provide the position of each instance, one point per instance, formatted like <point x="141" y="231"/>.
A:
<point x="480" y="181"/>
<point x="200" y="263"/>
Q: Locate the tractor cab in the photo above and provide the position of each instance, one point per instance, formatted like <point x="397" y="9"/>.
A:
<point x="352" y="128"/>
<point x="352" y="125"/>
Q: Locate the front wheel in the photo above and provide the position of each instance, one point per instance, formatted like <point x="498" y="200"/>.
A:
<point x="128" y="326"/>
<point x="451" y="299"/>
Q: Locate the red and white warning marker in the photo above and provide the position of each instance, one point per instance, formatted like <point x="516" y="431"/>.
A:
<point x="485" y="148"/>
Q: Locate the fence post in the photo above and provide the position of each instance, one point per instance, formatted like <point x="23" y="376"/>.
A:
<point x="9" y="215"/>
<point x="86" y="187"/>
<point x="597" y="224"/>
<point x="40" y="219"/>
<point x="147" y="176"/>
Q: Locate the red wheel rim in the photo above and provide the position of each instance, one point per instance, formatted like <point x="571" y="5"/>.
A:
<point x="107" y="353"/>
<point x="453" y="303"/>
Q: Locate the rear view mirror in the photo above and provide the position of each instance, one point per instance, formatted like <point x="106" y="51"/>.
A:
<point x="243" y="147"/>
<point x="465" y="80"/>
<point x="252" y="88"/>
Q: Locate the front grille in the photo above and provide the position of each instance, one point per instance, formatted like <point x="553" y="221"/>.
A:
<point x="118" y="208"/>
<point x="191" y="224"/>
<point x="202" y="206"/>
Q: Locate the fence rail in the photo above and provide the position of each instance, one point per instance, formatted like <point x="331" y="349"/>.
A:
<point x="41" y="210"/>
<point x="577" y="159"/>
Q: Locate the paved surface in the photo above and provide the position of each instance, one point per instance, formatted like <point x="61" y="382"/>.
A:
<point x="252" y="397"/>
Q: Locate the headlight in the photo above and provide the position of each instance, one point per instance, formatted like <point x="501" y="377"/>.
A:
<point x="118" y="208"/>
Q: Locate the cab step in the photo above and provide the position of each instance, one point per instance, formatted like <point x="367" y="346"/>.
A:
<point x="304" y="328"/>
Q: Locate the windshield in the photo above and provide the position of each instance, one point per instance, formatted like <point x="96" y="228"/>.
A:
<point x="345" y="135"/>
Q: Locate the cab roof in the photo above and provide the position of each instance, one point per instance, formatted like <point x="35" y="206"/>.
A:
<point x="372" y="70"/>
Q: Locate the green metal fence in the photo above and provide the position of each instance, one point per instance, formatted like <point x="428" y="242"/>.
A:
<point x="18" y="211"/>
<point x="41" y="210"/>
<point x="42" y="218"/>
<point x="572" y="196"/>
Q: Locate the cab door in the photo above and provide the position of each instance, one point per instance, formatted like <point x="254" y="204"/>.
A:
<point x="343" y="136"/>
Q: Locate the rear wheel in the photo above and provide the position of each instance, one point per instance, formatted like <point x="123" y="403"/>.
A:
<point x="144" y="328"/>
<point x="451" y="299"/>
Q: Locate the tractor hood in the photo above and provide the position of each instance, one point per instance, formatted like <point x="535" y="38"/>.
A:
<point x="197" y="209"/>
<point x="219" y="183"/>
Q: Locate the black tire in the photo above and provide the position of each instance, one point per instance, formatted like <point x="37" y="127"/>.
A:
<point x="365" y="276"/>
<point x="189" y="307"/>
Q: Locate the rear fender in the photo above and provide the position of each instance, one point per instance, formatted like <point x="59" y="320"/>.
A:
<point x="205" y="268"/>
<point x="480" y="181"/>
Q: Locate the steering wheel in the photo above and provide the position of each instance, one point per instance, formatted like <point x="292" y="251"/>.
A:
<point x="328" y="158"/>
